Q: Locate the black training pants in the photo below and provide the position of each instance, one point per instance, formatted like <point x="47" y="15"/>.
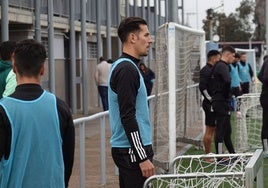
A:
<point x="223" y="125"/>
<point x="130" y="175"/>
<point x="264" y="104"/>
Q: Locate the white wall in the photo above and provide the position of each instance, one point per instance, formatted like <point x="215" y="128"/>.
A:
<point x="59" y="47"/>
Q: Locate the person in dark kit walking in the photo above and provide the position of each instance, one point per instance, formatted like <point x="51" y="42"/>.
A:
<point x="263" y="77"/>
<point x="148" y="76"/>
<point x="245" y="73"/>
<point x="213" y="57"/>
<point x="36" y="128"/>
<point x="131" y="138"/>
<point x="221" y="98"/>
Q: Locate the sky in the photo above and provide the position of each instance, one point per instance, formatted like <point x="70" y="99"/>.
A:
<point x="195" y="14"/>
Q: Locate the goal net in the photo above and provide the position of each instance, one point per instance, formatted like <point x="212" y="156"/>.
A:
<point x="177" y="112"/>
<point x="248" y="123"/>
<point x="225" y="170"/>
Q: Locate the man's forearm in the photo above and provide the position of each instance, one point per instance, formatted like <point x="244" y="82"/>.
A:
<point x="206" y="95"/>
<point x="134" y="138"/>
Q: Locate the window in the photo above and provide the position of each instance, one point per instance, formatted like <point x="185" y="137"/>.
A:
<point x="92" y="50"/>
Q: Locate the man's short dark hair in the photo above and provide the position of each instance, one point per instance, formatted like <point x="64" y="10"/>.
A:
<point x="110" y="61"/>
<point x="129" y="25"/>
<point x="237" y="55"/>
<point x="101" y="59"/>
<point x="6" y="50"/>
<point x="228" y="49"/>
<point x="212" y="53"/>
<point x="29" y="57"/>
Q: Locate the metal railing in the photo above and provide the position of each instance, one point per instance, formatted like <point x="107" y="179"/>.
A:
<point x="81" y="123"/>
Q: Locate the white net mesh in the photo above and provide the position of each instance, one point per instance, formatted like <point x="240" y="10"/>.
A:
<point x="226" y="170"/>
<point x="248" y="123"/>
<point x="184" y="53"/>
<point x="199" y="181"/>
<point x="248" y="118"/>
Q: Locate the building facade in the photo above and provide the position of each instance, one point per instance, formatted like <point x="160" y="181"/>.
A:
<point x="72" y="78"/>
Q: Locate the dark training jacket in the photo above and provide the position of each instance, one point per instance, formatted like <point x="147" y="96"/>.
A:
<point x="221" y="82"/>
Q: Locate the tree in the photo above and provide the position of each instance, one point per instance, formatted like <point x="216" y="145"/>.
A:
<point x="237" y="26"/>
<point x="259" y="20"/>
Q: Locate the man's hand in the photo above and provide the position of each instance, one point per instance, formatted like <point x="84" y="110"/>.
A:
<point x="147" y="168"/>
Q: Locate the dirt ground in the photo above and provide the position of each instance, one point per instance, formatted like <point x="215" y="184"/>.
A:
<point x="92" y="159"/>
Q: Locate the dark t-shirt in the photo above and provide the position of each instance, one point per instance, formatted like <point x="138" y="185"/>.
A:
<point x="221" y="82"/>
<point x="263" y="77"/>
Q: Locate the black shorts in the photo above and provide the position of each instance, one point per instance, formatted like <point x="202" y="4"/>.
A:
<point x="209" y="114"/>
<point x="245" y="87"/>
<point x="236" y="91"/>
<point x="221" y="108"/>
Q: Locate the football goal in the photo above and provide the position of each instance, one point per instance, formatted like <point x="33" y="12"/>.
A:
<point x="248" y="123"/>
<point x="223" y="171"/>
<point x="180" y="52"/>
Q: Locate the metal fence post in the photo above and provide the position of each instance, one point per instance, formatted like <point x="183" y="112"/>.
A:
<point x="4" y="21"/>
<point x="84" y="56"/>
<point x="103" y="150"/>
<point x="37" y="13"/>
<point x="73" y="57"/>
<point x="51" y="46"/>
<point x="82" y="154"/>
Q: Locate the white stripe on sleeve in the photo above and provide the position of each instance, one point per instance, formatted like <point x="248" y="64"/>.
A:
<point x="138" y="146"/>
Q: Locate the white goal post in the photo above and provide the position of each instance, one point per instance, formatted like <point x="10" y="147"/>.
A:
<point x="180" y="51"/>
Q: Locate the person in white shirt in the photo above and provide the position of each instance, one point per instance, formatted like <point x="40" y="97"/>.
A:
<point x="101" y="76"/>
